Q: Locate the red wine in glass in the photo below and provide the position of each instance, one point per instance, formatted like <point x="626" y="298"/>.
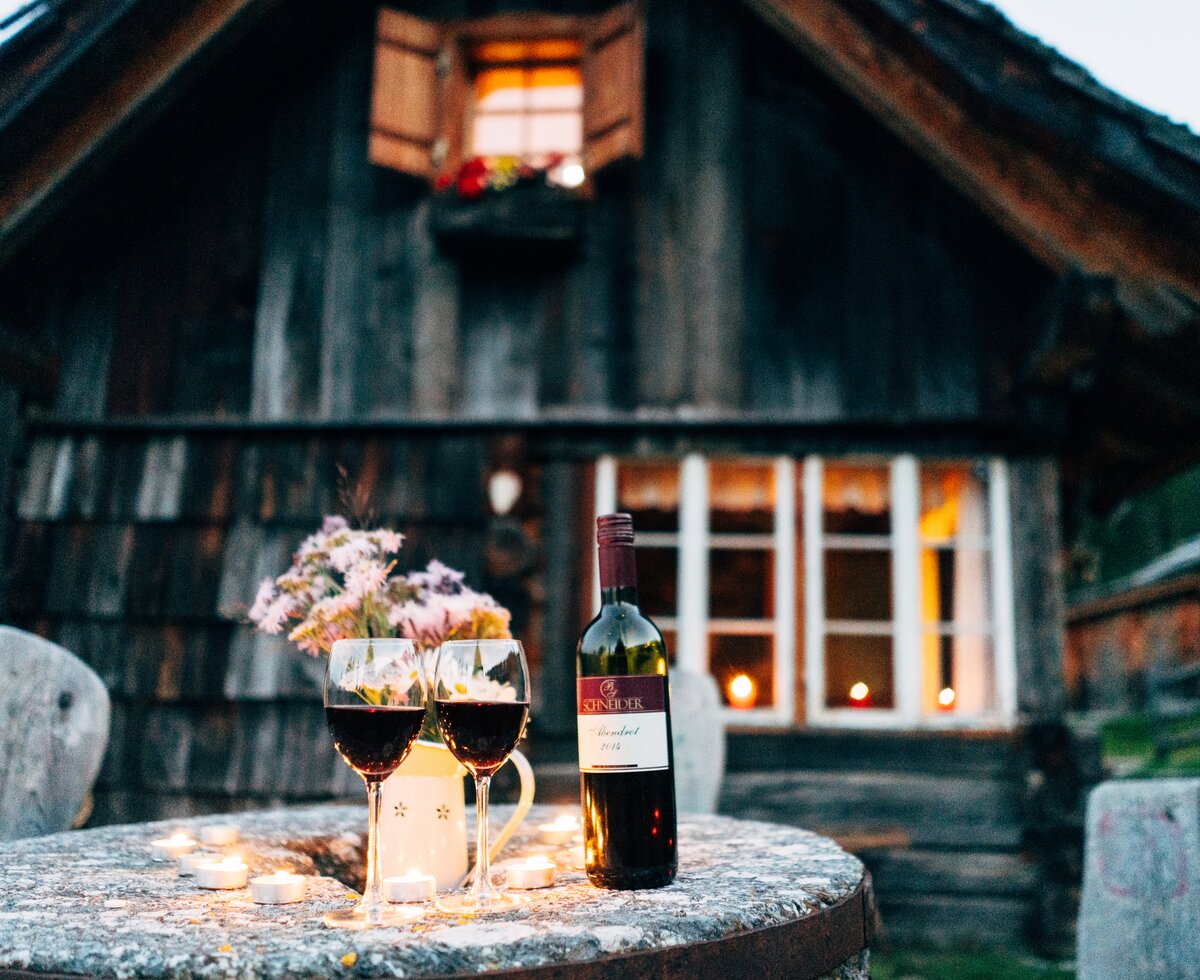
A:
<point x="375" y="706"/>
<point x="373" y="741"/>
<point x="481" y="734"/>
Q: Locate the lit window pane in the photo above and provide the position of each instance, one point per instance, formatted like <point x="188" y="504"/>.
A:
<point x="858" y="585"/>
<point x="498" y="135"/>
<point x="500" y="89"/>
<point x="953" y="501"/>
<point x="555" y="132"/>
<point x="650" y="492"/>
<point x="857" y="500"/>
<point x="741" y="497"/>
<point x="955" y="587"/>
<point x="959" y="674"/>
<point x="731" y="657"/>
<point x="555" y="88"/>
<point x="858" y="672"/>
<point x="741" y="584"/>
<point x="658" y="575"/>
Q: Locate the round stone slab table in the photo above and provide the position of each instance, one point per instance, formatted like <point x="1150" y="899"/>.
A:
<point x="751" y="900"/>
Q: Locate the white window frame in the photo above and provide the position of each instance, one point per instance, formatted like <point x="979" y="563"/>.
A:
<point x="692" y="624"/>
<point x="905" y="627"/>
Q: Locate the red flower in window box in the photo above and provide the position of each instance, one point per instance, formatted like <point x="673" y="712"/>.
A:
<point x="443" y="182"/>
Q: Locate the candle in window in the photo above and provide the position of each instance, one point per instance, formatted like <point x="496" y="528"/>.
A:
<point x="946" y="699"/>
<point x="741" y="691"/>
<point x="860" y="695"/>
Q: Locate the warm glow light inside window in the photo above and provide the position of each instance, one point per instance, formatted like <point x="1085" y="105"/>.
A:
<point x="529" y="104"/>
<point x="741" y="691"/>
<point x="859" y="692"/>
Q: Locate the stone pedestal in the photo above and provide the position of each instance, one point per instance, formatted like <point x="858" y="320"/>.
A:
<point x="1140" y="915"/>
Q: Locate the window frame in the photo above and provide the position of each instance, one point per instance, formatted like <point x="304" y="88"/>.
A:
<point x="693" y="626"/>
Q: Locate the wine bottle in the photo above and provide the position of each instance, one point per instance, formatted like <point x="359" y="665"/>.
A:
<point x="627" y="779"/>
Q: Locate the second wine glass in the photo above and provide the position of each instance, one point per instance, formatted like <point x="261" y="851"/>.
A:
<point x="481" y="688"/>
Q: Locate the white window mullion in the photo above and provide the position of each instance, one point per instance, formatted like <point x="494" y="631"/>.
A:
<point x="785" y="587"/>
<point x="1002" y="591"/>
<point x="906" y="594"/>
<point x="814" y="590"/>
<point x="605" y="501"/>
<point x="692" y="638"/>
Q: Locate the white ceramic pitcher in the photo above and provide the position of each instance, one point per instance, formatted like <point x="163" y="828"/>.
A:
<point x="424" y="823"/>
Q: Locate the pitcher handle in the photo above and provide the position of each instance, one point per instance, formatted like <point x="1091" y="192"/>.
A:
<point x="525" y="771"/>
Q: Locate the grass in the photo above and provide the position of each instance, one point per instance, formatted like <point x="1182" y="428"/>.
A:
<point x="1129" y="742"/>
<point x="915" y="965"/>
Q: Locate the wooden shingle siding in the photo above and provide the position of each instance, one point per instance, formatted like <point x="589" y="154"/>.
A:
<point x="141" y="553"/>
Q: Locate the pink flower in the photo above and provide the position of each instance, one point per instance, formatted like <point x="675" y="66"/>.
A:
<point x="348" y="554"/>
<point x="276" y="614"/>
<point x="366" y="578"/>
<point x="333" y="523"/>
<point x="262" y="600"/>
<point x="389" y="541"/>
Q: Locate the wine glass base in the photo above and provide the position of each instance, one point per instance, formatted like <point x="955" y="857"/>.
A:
<point x="468" y="904"/>
<point x="386" y="917"/>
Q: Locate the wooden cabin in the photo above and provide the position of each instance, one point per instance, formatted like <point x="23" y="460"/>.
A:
<point x="853" y="303"/>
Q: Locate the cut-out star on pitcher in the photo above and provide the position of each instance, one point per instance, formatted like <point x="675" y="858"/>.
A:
<point x="400" y="809"/>
<point x="443" y="812"/>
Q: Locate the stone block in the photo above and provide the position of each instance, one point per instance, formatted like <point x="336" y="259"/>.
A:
<point x="1140" y="915"/>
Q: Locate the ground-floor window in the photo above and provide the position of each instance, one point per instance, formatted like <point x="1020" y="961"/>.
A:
<point x="857" y="591"/>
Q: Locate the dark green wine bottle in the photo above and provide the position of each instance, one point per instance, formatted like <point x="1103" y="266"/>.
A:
<point x="627" y="780"/>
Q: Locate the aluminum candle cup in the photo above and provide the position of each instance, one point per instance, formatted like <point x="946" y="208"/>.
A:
<point x="172" y="848"/>
<point x="230" y="872"/>
<point x="280" y="888"/>
<point x="219" y="834"/>
<point x="412" y="887"/>
<point x="561" y="831"/>
<point x="537" y="872"/>
<point x="188" y="862"/>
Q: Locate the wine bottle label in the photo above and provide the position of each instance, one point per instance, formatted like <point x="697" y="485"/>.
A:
<point x="622" y="723"/>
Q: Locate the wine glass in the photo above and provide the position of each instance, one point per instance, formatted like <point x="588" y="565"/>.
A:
<point x="481" y="689"/>
<point x="375" y="705"/>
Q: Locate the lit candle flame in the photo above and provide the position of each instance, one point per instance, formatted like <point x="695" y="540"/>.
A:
<point x="741" y="691"/>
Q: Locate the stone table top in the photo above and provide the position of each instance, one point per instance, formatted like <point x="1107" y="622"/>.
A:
<point x="94" y="902"/>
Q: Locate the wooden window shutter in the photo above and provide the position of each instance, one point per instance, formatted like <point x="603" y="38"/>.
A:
<point x="613" y="69"/>
<point x="407" y="99"/>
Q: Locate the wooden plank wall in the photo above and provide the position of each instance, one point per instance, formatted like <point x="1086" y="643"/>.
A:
<point x="141" y="553"/>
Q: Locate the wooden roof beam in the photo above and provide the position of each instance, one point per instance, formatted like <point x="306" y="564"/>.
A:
<point x="138" y="90"/>
<point x="1059" y="215"/>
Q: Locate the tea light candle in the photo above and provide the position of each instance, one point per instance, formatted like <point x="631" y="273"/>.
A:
<point x="565" y="827"/>
<point x="280" y="888"/>
<point x="220" y="834"/>
<point x="412" y="887"/>
<point x="188" y="862"/>
<point x="537" y="872"/>
<point x="231" y="872"/>
<point x="579" y="858"/>
<point x="171" y="848"/>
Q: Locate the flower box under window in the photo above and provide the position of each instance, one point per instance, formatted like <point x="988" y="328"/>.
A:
<point x="527" y="215"/>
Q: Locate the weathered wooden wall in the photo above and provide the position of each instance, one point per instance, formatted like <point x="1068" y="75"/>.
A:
<point x="139" y="553"/>
<point x="775" y="250"/>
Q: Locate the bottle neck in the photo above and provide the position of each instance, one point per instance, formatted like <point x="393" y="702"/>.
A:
<point x="618" y="574"/>
<point x="626" y="594"/>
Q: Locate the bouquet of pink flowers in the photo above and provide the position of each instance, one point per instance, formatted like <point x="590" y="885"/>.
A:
<point x="342" y="584"/>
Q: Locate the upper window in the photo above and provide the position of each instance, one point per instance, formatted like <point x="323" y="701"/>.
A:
<point x="539" y="89"/>
<point x="528" y="104"/>
<point x="874" y="582"/>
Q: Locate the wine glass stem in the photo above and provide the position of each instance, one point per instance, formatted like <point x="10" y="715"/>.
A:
<point x="483" y="887"/>
<point x="372" y="903"/>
